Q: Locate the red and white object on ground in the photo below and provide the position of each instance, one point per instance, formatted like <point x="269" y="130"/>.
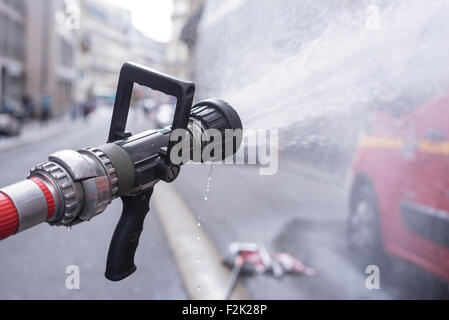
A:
<point x="262" y="261"/>
<point x="291" y="264"/>
<point x="258" y="257"/>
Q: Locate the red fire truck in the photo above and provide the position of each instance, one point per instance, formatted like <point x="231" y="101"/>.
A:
<point x="399" y="201"/>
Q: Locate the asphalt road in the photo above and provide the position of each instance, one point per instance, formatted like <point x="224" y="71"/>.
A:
<point x="298" y="210"/>
<point x="33" y="263"/>
<point x="301" y="212"/>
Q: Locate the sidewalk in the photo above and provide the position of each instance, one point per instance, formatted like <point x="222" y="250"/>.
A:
<point x="33" y="132"/>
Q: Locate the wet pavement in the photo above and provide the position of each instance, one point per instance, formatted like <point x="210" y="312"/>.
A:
<point x="298" y="210"/>
<point x="302" y="213"/>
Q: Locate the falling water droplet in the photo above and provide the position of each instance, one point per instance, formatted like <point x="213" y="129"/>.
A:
<point x="198" y="288"/>
<point x="209" y="181"/>
<point x="199" y="224"/>
<point x="198" y="238"/>
<point x="69" y="229"/>
<point x="198" y="260"/>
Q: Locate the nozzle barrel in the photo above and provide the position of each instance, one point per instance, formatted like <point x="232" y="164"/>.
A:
<point x="75" y="186"/>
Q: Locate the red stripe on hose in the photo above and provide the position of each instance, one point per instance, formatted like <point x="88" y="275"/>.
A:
<point x="9" y="217"/>
<point x="48" y="197"/>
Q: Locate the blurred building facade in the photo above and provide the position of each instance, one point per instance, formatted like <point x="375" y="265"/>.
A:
<point x="108" y="39"/>
<point x="52" y="49"/>
<point x="105" y="31"/>
<point x="181" y="49"/>
<point x="147" y="51"/>
<point x="12" y="51"/>
<point x="67" y="50"/>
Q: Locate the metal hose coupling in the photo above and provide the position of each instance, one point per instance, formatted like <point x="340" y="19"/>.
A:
<point x="81" y="183"/>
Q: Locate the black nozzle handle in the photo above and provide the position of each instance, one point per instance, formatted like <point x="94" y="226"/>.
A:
<point x="126" y="237"/>
<point x="132" y="73"/>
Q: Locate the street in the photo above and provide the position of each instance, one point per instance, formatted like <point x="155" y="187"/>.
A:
<point x="307" y="220"/>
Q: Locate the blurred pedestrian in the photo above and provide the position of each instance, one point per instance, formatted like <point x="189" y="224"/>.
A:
<point x="28" y="107"/>
<point x="46" y="106"/>
<point x="88" y="108"/>
<point x="74" y="111"/>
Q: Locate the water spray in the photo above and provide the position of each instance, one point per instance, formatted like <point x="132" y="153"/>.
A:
<point x="75" y="186"/>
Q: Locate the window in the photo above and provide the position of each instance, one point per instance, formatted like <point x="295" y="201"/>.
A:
<point x="67" y="56"/>
<point x="2" y="34"/>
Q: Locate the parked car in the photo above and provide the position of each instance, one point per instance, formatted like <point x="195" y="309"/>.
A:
<point x="9" y="125"/>
<point x="399" y="202"/>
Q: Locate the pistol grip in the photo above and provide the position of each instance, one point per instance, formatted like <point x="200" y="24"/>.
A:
<point x="124" y="243"/>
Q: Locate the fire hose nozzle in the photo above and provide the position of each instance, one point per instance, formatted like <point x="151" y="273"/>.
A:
<point x="75" y="186"/>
